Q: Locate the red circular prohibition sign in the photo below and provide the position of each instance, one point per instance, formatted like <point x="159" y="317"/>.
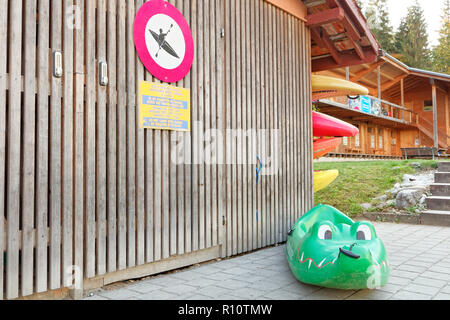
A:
<point x="149" y="10"/>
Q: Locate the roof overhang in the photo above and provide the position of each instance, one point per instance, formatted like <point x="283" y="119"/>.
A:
<point x="340" y="35"/>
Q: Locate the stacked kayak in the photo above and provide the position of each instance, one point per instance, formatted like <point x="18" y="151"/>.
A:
<point x="327" y="87"/>
<point x="327" y="130"/>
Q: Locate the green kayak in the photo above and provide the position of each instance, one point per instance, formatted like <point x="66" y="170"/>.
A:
<point x="326" y="248"/>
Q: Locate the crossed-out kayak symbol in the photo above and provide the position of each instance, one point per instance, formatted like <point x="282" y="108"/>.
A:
<point x="161" y="39"/>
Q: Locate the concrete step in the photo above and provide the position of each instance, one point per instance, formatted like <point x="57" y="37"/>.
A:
<point x="435" y="218"/>
<point x="442" y="177"/>
<point x="438" y="203"/>
<point x="440" y="189"/>
<point x="444" y="166"/>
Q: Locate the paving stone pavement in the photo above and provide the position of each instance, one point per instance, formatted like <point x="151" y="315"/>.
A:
<point x="419" y="258"/>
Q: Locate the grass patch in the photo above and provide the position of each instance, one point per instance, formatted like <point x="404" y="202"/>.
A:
<point x="361" y="182"/>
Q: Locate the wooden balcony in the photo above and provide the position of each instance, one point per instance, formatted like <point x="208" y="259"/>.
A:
<point x="380" y="112"/>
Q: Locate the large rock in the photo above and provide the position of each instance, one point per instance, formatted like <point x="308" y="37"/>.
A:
<point x="409" y="197"/>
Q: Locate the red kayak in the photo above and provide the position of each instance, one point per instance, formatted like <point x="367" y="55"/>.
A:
<point x="325" y="146"/>
<point x="327" y="126"/>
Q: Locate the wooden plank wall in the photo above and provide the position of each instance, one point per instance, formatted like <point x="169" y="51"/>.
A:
<point x="267" y="85"/>
<point x="81" y="184"/>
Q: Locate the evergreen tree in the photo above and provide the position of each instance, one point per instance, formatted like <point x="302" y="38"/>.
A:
<point x="378" y="18"/>
<point x="411" y="40"/>
<point x="441" y="53"/>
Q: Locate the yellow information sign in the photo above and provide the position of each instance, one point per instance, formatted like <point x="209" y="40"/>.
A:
<point x="164" y="107"/>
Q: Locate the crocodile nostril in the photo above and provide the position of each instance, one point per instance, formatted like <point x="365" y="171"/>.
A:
<point x="348" y="253"/>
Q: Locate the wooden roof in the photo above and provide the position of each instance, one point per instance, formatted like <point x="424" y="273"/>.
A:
<point x="340" y="34"/>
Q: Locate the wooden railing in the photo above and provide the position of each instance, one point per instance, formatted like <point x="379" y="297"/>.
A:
<point x="383" y="108"/>
<point x="427" y="127"/>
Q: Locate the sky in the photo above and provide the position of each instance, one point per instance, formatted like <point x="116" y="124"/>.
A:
<point x="432" y="11"/>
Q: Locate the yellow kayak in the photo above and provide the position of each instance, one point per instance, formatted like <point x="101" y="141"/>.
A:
<point x="327" y="87"/>
<point x="323" y="179"/>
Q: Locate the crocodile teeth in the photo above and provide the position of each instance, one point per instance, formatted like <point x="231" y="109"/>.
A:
<point x="320" y="264"/>
<point x="301" y="259"/>
<point x="334" y="260"/>
<point x="309" y="264"/>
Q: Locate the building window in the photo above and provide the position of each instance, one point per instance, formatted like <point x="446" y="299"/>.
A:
<point x="372" y="142"/>
<point x="357" y="143"/>
<point x="345" y="141"/>
<point x="428" y="105"/>
<point x="380" y="142"/>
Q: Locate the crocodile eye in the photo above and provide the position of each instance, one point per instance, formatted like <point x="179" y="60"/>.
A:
<point x="363" y="233"/>
<point x="325" y="232"/>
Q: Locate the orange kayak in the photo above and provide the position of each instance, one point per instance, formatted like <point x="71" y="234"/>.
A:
<point x="325" y="146"/>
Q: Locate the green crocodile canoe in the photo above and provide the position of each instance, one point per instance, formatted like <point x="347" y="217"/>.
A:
<point x="326" y="248"/>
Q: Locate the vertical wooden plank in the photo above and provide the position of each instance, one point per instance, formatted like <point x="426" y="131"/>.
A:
<point x="259" y="105"/>
<point x="221" y="119"/>
<point x="275" y="124"/>
<point x="90" y="141"/>
<point x="67" y="157"/>
<point x="101" y="142"/>
<point x="266" y="122"/>
<point x="192" y="221"/>
<point x="248" y="155"/>
<point x="140" y="167"/>
<point x="253" y="39"/>
<point x="200" y="114"/>
<point x="243" y="111"/>
<point x="172" y="188"/>
<point x="238" y="127"/>
<point x="27" y="252"/>
<point x="249" y="129"/>
<point x="228" y="106"/>
<point x="3" y="59"/>
<point x="42" y="148"/>
<point x="111" y="176"/>
<point x="14" y="145"/>
<point x="284" y="104"/>
<point x="55" y="154"/>
<point x="184" y="172"/>
<point x="131" y="138"/>
<point x="272" y="143"/>
<point x="207" y="122"/>
<point x="234" y="170"/>
<point x="263" y="180"/>
<point x="215" y="64"/>
<point x="157" y="194"/>
<point x="79" y="144"/>
<point x="122" y="137"/>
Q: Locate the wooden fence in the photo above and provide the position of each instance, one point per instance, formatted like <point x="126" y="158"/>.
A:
<point x="81" y="185"/>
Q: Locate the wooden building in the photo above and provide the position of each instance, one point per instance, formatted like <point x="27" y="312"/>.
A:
<point x="87" y="198"/>
<point x="407" y="109"/>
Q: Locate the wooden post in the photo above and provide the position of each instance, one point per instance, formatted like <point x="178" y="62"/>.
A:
<point x="435" y="120"/>
<point x="347" y="73"/>
<point x="379" y="81"/>
<point x="402" y="92"/>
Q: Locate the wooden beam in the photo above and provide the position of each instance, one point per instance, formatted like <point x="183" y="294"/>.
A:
<point x="363" y="73"/>
<point x="348" y="58"/>
<point x="402" y="92"/>
<point x="316" y="34"/>
<point x="379" y="81"/>
<point x="389" y="84"/>
<point x="325" y="17"/>
<point x="435" y="117"/>
<point x="332" y="48"/>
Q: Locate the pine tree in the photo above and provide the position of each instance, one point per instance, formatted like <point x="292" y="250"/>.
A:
<point x="411" y="40"/>
<point x="441" y="53"/>
<point x="378" y="18"/>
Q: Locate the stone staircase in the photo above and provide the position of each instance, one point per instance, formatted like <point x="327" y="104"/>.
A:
<point x="438" y="203"/>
